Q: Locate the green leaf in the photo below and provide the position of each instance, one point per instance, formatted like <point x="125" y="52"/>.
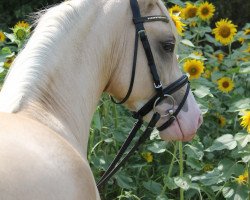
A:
<point x="194" y="163"/>
<point x="158" y="147"/>
<point x="11" y="37"/>
<point x="169" y="182"/>
<point x="97" y="121"/>
<point x="162" y="197"/>
<point x="193" y="56"/>
<point x="187" y="42"/>
<point x="124" y="181"/>
<point x="210" y="178"/>
<point x="178" y="2"/>
<point x="228" y="168"/>
<point x="242" y="138"/>
<point x="212" y="40"/>
<point x="235" y="192"/>
<point x="226" y="141"/>
<point x="153" y="187"/>
<point x="181" y="182"/>
<point x="194" y="152"/>
<point x="242" y="104"/>
<point x="201" y="91"/>
<point x="227" y="192"/>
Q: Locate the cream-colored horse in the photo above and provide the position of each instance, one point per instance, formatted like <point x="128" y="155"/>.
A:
<point x="79" y="49"/>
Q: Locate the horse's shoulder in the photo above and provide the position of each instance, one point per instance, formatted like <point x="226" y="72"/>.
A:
<point x="36" y="163"/>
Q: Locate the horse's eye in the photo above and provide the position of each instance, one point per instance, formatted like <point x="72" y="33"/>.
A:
<point x="168" y="46"/>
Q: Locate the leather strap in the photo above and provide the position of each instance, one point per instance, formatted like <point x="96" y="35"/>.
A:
<point x="140" y="32"/>
<point x="142" y="139"/>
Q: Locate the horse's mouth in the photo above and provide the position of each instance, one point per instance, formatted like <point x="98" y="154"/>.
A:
<point x="181" y="131"/>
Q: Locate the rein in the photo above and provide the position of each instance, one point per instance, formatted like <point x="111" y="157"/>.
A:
<point x="161" y="94"/>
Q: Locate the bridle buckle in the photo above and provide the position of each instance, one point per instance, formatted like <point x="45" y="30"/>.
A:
<point x="158" y="86"/>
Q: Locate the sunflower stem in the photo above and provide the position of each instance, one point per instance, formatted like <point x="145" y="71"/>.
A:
<point x="248" y="171"/>
<point x="230" y="49"/>
<point x="170" y="167"/>
<point x="181" y="168"/>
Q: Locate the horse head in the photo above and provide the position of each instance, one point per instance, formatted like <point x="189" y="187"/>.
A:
<point x="162" y="41"/>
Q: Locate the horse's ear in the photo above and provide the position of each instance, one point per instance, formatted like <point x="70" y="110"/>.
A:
<point x="146" y="5"/>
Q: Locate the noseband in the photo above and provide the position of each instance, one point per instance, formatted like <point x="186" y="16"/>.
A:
<point x="161" y="94"/>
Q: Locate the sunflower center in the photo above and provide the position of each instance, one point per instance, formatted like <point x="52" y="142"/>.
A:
<point x="225" y="84"/>
<point x="205" y="11"/>
<point x="193" y="70"/>
<point x="225" y="31"/>
<point x="191" y="12"/>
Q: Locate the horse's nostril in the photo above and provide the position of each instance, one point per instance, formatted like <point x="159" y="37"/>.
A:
<point x="200" y="120"/>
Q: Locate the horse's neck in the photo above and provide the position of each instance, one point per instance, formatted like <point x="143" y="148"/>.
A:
<point x="60" y="75"/>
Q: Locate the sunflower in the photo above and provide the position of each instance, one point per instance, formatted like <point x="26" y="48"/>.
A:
<point x="175" y="9"/>
<point x="8" y="62"/>
<point x="247" y="50"/>
<point x="220" y="57"/>
<point x="207" y="74"/>
<point x="221" y="121"/>
<point x="21" y="30"/>
<point x="240" y="180"/>
<point x="243" y="178"/>
<point x="225" y="84"/>
<point x="206" y="11"/>
<point x="194" y="67"/>
<point x="246" y="121"/>
<point x="22" y="24"/>
<point x="189" y="11"/>
<point x="225" y="31"/>
<point x="147" y="156"/>
<point x="208" y="167"/>
<point x="2" y="36"/>
<point x="178" y="23"/>
<point x="246" y="33"/>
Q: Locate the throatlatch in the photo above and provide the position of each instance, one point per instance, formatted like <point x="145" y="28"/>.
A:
<point x="161" y="94"/>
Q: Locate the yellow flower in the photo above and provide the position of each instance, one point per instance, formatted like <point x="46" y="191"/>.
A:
<point x="2" y="36"/>
<point x="21" y="30"/>
<point x="206" y="11"/>
<point x="178" y="23"/>
<point x="189" y="11"/>
<point x="194" y="67"/>
<point x="246" y="32"/>
<point x="225" y="31"/>
<point x="215" y="69"/>
<point x="208" y="167"/>
<point x="225" y="84"/>
<point x="241" y="180"/>
<point x="221" y="121"/>
<point x="193" y="24"/>
<point x="147" y="156"/>
<point x="198" y="53"/>
<point x="8" y="62"/>
<point x="246" y="121"/>
<point x="207" y="74"/>
<point x="247" y="50"/>
<point x="175" y="9"/>
<point x="220" y="57"/>
<point x="22" y="24"/>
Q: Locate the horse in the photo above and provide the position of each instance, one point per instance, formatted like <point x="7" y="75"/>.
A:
<point x="78" y="50"/>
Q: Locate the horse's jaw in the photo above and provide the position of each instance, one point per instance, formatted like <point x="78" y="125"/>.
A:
<point x="186" y="124"/>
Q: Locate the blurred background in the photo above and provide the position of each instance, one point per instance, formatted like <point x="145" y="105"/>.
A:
<point x="12" y="11"/>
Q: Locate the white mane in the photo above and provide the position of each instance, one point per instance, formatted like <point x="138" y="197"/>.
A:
<point x="32" y="66"/>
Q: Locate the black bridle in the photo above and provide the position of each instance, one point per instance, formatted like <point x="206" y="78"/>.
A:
<point x="161" y="94"/>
